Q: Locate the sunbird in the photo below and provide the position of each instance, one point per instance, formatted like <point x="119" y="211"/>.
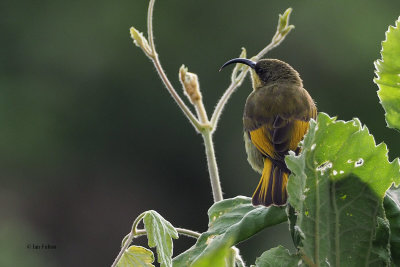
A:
<point x="276" y="117"/>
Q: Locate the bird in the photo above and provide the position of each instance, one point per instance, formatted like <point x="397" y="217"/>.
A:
<point x="276" y="117"/>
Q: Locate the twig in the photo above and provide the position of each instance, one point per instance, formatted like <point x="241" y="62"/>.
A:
<point x="129" y="239"/>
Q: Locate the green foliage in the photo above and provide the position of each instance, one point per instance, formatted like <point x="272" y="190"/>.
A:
<point x="136" y="256"/>
<point x="336" y="188"/>
<point x="160" y="233"/>
<point x="277" y="257"/>
<point x="340" y="210"/>
<point x="388" y="72"/>
<point x="230" y="222"/>
<point x="392" y="210"/>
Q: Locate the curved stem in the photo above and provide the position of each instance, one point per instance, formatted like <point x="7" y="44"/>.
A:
<point x="150" y="25"/>
<point x="174" y="95"/>
<point x="225" y="97"/>
<point x="188" y="233"/>
<point x="274" y="43"/>
<point x="154" y="58"/>
<point x="128" y="238"/>
<point x="201" y="126"/>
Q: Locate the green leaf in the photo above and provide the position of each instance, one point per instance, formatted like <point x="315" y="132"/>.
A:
<point x="277" y="257"/>
<point x="392" y="210"/>
<point x="160" y="233"/>
<point x="136" y="256"/>
<point x="388" y="72"/>
<point x="336" y="188"/>
<point x="230" y="222"/>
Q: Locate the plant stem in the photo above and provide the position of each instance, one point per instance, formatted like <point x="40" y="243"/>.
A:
<point x="161" y="73"/>
<point x="174" y="95"/>
<point x="212" y="165"/>
<point x="129" y="239"/>
<point x="182" y="231"/>
<point x="276" y="40"/>
<point x="202" y="126"/>
<point x="150" y="25"/>
<point x="225" y="97"/>
<point x="201" y="112"/>
<point x="188" y="233"/>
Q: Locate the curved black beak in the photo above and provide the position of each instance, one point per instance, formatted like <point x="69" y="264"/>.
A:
<point x="246" y="61"/>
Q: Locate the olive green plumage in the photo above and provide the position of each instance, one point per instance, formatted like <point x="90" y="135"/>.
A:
<point x="276" y="117"/>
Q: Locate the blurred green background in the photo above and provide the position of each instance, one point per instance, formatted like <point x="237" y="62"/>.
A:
<point x="89" y="137"/>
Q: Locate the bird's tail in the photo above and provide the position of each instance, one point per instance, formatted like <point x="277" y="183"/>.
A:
<point x="271" y="189"/>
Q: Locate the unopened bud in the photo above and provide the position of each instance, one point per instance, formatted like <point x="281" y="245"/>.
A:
<point x="283" y="24"/>
<point x="140" y="41"/>
<point x="190" y="85"/>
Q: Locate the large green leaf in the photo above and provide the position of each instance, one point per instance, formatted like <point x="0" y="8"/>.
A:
<point x="392" y="210"/>
<point x="336" y="188"/>
<point x="160" y="233"/>
<point x="230" y="222"/>
<point x="388" y="72"/>
<point x="136" y="256"/>
<point x="278" y="257"/>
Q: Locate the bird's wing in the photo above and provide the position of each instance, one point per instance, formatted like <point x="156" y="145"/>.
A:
<point x="254" y="156"/>
<point x="274" y="133"/>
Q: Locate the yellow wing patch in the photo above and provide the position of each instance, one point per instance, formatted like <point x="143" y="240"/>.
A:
<point x="261" y="139"/>
<point x="300" y="128"/>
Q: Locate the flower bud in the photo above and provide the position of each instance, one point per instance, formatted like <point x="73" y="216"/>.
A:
<point x="140" y="41"/>
<point x="190" y="85"/>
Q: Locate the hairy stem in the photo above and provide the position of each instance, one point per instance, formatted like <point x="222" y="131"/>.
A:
<point x="174" y="95"/>
<point x="201" y="124"/>
<point x="212" y="165"/>
<point x="201" y="112"/>
<point x="161" y="73"/>
<point x="150" y="25"/>
<point x="225" y="97"/>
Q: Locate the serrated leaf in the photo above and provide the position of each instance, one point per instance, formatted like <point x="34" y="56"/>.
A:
<point x="278" y="257"/>
<point x="136" y="256"/>
<point x="392" y="210"/>
<point x="336" y="188"/>
<point x="230" y="222"/>
<point x="159" y="234"/>
<point x="388" y="72"/>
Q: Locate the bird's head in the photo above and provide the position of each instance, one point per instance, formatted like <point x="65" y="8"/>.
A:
<point x="268" y="71"/>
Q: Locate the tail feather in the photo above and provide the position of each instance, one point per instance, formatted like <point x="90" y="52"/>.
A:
<point x="271" y="189"/>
